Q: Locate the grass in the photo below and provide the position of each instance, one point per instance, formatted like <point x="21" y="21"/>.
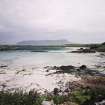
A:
<point x="28" y="98"/>
<point x="81" y="96"/>
<point x="20" y="98"/>
<point x="93" y="91"/>
<point x="88" y="96"/>
<point x="85" y="95"/>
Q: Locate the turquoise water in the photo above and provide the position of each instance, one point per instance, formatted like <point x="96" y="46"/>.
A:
<point x="60" y="57"/>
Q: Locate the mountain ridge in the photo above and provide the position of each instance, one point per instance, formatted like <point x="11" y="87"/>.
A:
<point x="43" y="42"/>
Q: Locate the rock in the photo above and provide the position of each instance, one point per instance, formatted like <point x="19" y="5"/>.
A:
<point x="81" y="50"/>
<point x="47" y="70"/>
<point x="23" y="70"/>
<point x="55" y="68"/>
<point x="56" y="91"/>
<point x="69" y="103"/>
<point x="67" y="67"/>
<point x="83" y="67"/>
<point x="67" y="90"/>
<point x="77" y="71"/>
<point x="101" y="103"/>
<point x="48" y="102"/>
<point x="3" y="66"/>
<point x="102" y="54"/>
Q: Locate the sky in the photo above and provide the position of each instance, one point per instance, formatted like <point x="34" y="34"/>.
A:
<point x="79" y="21"/>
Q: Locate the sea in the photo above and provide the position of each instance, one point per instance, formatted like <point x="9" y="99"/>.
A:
<point x="25" y="70"/>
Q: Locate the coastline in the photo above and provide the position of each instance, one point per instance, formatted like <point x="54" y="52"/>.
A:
<point x="46" y="72"/>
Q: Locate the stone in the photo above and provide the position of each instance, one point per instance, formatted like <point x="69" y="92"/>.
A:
<point x="83" y="67"/>
<point x="48" y="102"/>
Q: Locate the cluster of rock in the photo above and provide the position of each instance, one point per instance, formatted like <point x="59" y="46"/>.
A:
<point x="84" y="50"/>
<point x="78" y="71"/>
<point x="65" y="92"/>
<point x="90" y="80"/>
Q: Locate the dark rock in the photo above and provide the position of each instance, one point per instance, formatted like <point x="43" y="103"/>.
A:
<point x="3" y="66"/>
<point x="55" y="67"/>
<point x="83" y="67"/>
<point x="77" y="71"/>
<point x="56" y="91"/>
<point x="67" y="67"/>
<point x="67" y="90"/>
<point x="47" y="70"/>
<point x="103" y="54"/>
<point x="47" y="67"/>
<point x="81" y="50"/>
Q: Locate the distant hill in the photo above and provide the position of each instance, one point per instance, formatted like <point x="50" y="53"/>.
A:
<point x="43" y="42"/>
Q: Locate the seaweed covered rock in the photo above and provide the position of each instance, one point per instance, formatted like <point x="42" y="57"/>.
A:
<point x="78" y="71"/>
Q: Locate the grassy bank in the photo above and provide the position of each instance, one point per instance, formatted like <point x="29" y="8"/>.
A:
<point x="28" y="98"/>
<point x="88" y="93"/>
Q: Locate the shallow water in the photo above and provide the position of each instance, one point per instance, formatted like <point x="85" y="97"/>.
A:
<point x="26" y="69"/>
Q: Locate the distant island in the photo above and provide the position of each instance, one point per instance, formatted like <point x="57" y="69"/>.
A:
<point x="44" y="42"/>
<point x="45" y="45"/>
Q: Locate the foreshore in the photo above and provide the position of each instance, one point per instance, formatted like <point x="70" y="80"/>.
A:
<point x="65" y="78"/>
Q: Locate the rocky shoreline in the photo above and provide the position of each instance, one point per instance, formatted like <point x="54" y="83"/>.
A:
<point x="84" y="50"/>
<point x="87" y="89"/>
<point x="78" y="71"/>
<point x="72" y="92"/>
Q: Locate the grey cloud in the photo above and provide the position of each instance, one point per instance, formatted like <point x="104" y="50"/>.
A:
<point x="75" y="20"/>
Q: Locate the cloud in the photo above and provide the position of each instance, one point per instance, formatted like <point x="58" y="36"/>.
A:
<point x="26" y="19"/>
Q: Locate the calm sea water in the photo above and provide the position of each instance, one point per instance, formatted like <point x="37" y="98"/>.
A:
<point x="58" y="57"/>
<point x="33" y="63"/>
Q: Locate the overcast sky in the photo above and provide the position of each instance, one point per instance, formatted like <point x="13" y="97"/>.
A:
<point x="75" y="20"/>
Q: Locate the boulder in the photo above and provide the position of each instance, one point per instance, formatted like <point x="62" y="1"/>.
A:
<point x="56" y="91"/>
<point x="83" y="67"/>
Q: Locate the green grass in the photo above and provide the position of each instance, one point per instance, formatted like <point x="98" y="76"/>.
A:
<point x="28" y="98"/>
<point x="87" y="96"/>
<point x="81" y="97"/>
<point x="20" y="98"/>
